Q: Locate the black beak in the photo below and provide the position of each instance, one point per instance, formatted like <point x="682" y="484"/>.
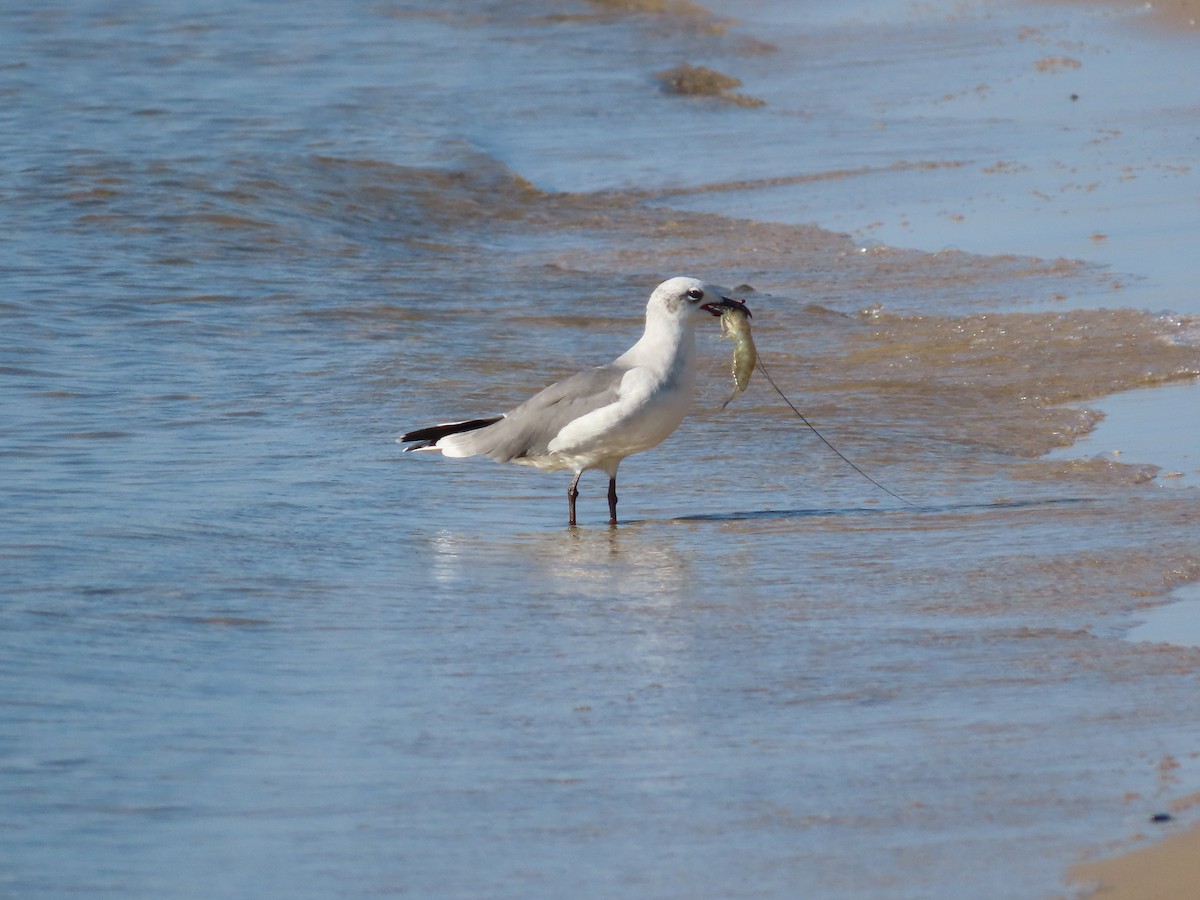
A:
<point x="726" y="303"/>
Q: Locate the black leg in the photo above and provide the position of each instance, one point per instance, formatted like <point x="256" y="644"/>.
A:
<point x="612" y="500"/>
<point x="572" y="493"/>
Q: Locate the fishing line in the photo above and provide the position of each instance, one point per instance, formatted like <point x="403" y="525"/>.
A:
<point x="767" y="375"/>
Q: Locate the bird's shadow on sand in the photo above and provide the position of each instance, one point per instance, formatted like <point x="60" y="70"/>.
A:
<point x="918" y="509"/>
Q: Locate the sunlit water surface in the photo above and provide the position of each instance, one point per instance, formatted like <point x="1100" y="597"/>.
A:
<point x="248" y="648"/>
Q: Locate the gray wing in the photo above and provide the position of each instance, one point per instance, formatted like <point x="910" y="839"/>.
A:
<point x="528" y="429"/>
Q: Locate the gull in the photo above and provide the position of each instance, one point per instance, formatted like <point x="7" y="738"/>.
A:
<point x="596" y="418"/>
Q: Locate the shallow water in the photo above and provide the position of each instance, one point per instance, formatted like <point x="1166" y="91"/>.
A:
<point x="249" y="648"/>
<point x="1142" y="427"/>
<point x="1176" y="623"/>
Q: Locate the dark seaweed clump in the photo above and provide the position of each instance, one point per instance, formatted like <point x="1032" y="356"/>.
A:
<point x="700" y="81"/>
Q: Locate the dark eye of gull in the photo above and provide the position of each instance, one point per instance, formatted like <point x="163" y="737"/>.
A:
<point x="695" y="295"/>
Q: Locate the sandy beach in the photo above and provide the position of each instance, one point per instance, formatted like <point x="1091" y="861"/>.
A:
<point x="1166" y="870"/>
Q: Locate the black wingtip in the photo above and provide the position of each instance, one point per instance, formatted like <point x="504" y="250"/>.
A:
<point x="427" y="437"/>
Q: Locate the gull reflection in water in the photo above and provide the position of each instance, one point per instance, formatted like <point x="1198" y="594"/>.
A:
<point x="630" y="564"/>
